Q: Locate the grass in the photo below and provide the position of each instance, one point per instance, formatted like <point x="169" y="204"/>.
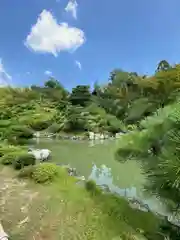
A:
<point x="64" y="210"/>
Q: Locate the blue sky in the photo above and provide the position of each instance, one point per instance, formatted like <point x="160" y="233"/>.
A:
<point x="80" y="42"/>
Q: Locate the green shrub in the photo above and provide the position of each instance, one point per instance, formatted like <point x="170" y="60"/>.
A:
<point x="26" y="172"/>
<point x="23" y="160"/>
<point x="17" y="131"/>
<point x="5" y="123"/>
<point x="92" y="187"/>
<point x="8" y="159"/>
<point x="5" y="149"/>
<point x="45" y="172"/>
<point x="39" y="125"/>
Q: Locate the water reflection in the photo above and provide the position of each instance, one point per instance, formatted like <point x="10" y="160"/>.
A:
<point x="96" y="141"/>
<point x="103" y="177"/>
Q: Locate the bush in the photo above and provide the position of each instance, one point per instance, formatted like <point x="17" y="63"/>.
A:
<point x="5" y="123"/>
<point x="92" y="187"/>
<point x="19" y="132"/>
<point x="6" y="149"/>
<point x="26" y="172"/>
<point x="45" y="172"/>
<point x="23" y="160"/>
<point x="9" y="158"/>
<point x="39" y="125"/>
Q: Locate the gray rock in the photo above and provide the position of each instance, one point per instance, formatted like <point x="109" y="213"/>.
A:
<point x="137" y="204"/>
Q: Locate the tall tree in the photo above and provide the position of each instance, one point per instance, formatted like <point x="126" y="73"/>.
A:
<point x="53" y="83"/>
<point x="80" y="95"/>
<point x="163" y="66"/>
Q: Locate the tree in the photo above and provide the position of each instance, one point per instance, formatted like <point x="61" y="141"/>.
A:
<point x="80" y="95"/>
<point x="52" y="83"/>
<point x="163" y="66"/>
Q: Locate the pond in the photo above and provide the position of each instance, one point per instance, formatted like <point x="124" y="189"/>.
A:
<point x="96" y="160"/>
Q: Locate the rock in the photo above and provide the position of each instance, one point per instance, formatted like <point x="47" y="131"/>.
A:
<point x="118" y="135"/>
<point x="136" y="204"/>
<point x="37" y="134"/>
<point x="102" y="136"/>
<point x="40" y="154"/>
<point x="174" y="220"/>
<point x="106" y="136"/>
<point x="97" y="136"/>
<point x="91" y="135"/>
<point x="51" y="135"/>
<point x="106" y="188"/>
<point x="72" y="171"/>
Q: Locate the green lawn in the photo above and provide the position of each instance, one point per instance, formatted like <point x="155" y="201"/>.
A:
<point x="64" y="210"/>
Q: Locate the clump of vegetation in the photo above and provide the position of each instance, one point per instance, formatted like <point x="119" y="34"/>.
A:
<point x="23" y="160"/>
<point x="92" y="187"/>
<point x="39" y="124"/>
<point x="6" y="149"/>
<point x="45" y="172"/>
<point x="9" y="158"/>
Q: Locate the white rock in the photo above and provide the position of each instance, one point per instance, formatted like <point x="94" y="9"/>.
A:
<point x="40" y="154"/>
<point x="37" y="134"/>
<point x="91" y="136"/>
<point x="102" y="136"/>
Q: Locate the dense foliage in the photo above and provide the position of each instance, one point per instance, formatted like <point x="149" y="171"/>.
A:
<point x="156" y="142"/>
<point x="127" y="98"/>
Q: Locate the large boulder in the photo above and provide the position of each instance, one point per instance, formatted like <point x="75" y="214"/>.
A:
<point x="40" y="154"/>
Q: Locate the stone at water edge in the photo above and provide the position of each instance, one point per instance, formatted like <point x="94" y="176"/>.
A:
<point x="136" y="204"/>
<point x="37" y="134"/>
<point x="174" y="220"/>
<point x="40" y="154"/>
<point x="91" y="135"/>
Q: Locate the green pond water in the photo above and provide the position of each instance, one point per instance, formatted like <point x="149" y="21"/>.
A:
<point x="96" y="160"/>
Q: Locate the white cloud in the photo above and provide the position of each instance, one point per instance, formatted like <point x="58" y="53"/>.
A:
<point x="78" y="64"/>
<point x="47" y="72"/>
<point x="5" y="78"/>
<point x="72" y="8"/>
<point x="48" y="36"/>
